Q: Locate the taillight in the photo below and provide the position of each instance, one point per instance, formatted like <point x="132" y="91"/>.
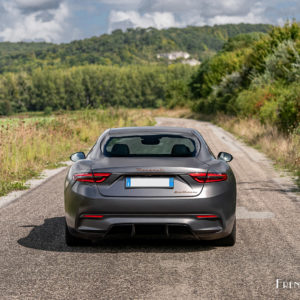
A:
<point x="200" y="177"/>
<point x="91" y="177"/>
<point x="100" y="177"/>
<point x="206" y="216"/>
<point x="209" y="177"/>
<point x="92" y="216"/>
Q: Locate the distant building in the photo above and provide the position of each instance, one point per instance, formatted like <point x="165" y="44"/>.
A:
<point x="191" y="62"/>
<point x="174" y="55"/>
<point x="184" y="57"/>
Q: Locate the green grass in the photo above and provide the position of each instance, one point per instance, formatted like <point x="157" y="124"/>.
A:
<point x="6" y="187"/>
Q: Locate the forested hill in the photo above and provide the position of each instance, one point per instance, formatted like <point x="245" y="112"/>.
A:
<point x="122" y="48"/>
<point x="7" y="48"/>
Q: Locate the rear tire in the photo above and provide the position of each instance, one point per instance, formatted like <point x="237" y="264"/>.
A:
<point x="228" y="240"/>
<point x="73" y="241"/>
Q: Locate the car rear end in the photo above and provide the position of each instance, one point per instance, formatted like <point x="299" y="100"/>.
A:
<point x="157" y="196"/>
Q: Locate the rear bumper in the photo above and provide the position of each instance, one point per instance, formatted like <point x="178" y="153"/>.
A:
<point x="165" y="216"/>
<point x="164" y="226"/>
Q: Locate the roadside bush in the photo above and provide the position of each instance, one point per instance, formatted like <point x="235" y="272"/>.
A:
<point x="212" y="72"/>
<point x="267" y="44"/>
<point x="274" y="104"/>
<point x="249" y="102"/>
<point x="280" y="63"/>
<point x="288" y="111"/>
<point x="261" y="80"/>
<point x="48" y="111"/>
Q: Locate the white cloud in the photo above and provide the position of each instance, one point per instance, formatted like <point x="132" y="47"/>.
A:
<point x="121" y="2"/>
<point x="125" y="19"/>
<point x="41" y="24"/>
<point x="167" y="13"/>
<point x="122" y="5"/>
<point x="60" y="20"/>
<point x="36" y="5"/>
<point x="254" y="16"/>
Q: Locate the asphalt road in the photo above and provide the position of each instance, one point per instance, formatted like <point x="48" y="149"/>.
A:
<point x="35" y="263"/>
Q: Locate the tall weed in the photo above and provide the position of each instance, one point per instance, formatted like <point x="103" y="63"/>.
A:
<point x="29" y="145"/>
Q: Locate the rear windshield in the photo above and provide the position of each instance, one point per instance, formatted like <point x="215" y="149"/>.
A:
<point x="150" y="145"/>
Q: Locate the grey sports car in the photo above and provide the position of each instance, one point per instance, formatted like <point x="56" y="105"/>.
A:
<point x="150" y="181"/>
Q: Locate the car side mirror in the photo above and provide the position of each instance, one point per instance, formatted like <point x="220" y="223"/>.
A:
<point x="77" y="156"/>
<point x="225" y="156"/>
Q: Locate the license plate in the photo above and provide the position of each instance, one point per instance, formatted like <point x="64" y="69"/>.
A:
<point x="148" y="182"/>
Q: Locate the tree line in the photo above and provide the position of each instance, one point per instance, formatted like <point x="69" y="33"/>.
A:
<point x="94" y="87"/>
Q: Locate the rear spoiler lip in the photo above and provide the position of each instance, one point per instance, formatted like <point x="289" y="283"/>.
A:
<point x="150" y="172"/>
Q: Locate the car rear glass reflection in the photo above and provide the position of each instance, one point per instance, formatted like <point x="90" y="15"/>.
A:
<point x="150" y="145"/>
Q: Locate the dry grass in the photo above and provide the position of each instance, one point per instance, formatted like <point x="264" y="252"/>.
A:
<point x="284" y="149"/>
<point x="29" y="144"/>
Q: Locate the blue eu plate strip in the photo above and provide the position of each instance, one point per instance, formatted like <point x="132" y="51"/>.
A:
<point x="128" y="182"/>
<point x="171" y="182"/>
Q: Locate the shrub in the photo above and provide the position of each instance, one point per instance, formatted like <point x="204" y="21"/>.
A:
<point x="47" y="111"/>
<point x="249" y="102"/>
<point x="280" y="63"/>
<point x="5" y="108"/>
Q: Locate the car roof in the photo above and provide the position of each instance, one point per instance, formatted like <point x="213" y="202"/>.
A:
<point x="151" y="130"/>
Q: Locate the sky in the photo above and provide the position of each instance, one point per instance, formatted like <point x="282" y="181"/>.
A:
<point x="61" y="21"/>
